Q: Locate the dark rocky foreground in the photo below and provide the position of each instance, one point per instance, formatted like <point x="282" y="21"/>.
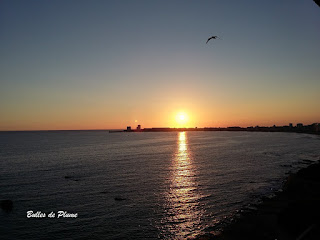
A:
<point x="293" y="213"/>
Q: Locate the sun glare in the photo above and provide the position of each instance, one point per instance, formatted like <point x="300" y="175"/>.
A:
<point x="181" y="119"/>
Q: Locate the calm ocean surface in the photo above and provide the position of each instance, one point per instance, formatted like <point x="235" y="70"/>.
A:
<point x="140" y="185"/>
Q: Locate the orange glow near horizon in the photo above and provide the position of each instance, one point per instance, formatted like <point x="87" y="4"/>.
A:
<point x="173" y="114"/>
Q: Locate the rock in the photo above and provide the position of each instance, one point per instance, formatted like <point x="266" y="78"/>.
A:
<point x="104" y="192"/>
<point x="71" y="178"/>
<point x="6" y="205"/>
<point x="119" y="199"/>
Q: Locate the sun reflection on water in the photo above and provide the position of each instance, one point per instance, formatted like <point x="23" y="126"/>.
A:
<point x="183" y="210"/>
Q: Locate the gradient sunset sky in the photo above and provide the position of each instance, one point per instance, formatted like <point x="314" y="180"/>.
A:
<point x="110" y="64"/>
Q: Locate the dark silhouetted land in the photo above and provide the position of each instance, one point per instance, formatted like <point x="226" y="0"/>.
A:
<point x="299" y="128"/>
<point x="292" y="214"/>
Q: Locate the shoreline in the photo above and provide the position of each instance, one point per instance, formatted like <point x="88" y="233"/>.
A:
<point x="293" y="213"/>
<point x="300" y="128"/>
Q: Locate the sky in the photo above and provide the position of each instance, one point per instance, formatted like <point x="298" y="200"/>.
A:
<point x="112" y="64"/>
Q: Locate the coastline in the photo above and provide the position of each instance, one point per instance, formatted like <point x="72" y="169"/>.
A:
<point x="293" y="213"/>
<point x="300" y="128"/>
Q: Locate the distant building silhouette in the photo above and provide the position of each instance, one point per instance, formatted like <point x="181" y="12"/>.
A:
<point x="299" y="128"/>
<point x="315" y="127"/>
<point x="299" y="125"/>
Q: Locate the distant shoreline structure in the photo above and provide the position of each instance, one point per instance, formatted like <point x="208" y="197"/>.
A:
<point x="299" y="128"/>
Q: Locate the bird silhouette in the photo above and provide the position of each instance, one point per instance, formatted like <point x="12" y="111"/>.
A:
<point x="213" y="37"/>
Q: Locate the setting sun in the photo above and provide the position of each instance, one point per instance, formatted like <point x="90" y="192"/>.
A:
<point x="181" y="119"/>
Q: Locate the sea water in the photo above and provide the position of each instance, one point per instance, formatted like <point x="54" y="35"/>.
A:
<point x="167" y="185"/>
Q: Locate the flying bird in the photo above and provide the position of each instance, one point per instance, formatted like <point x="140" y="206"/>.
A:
<point x="213" y="37"/>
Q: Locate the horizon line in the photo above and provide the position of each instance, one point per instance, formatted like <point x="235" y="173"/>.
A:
<point x="111" y="129"/>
